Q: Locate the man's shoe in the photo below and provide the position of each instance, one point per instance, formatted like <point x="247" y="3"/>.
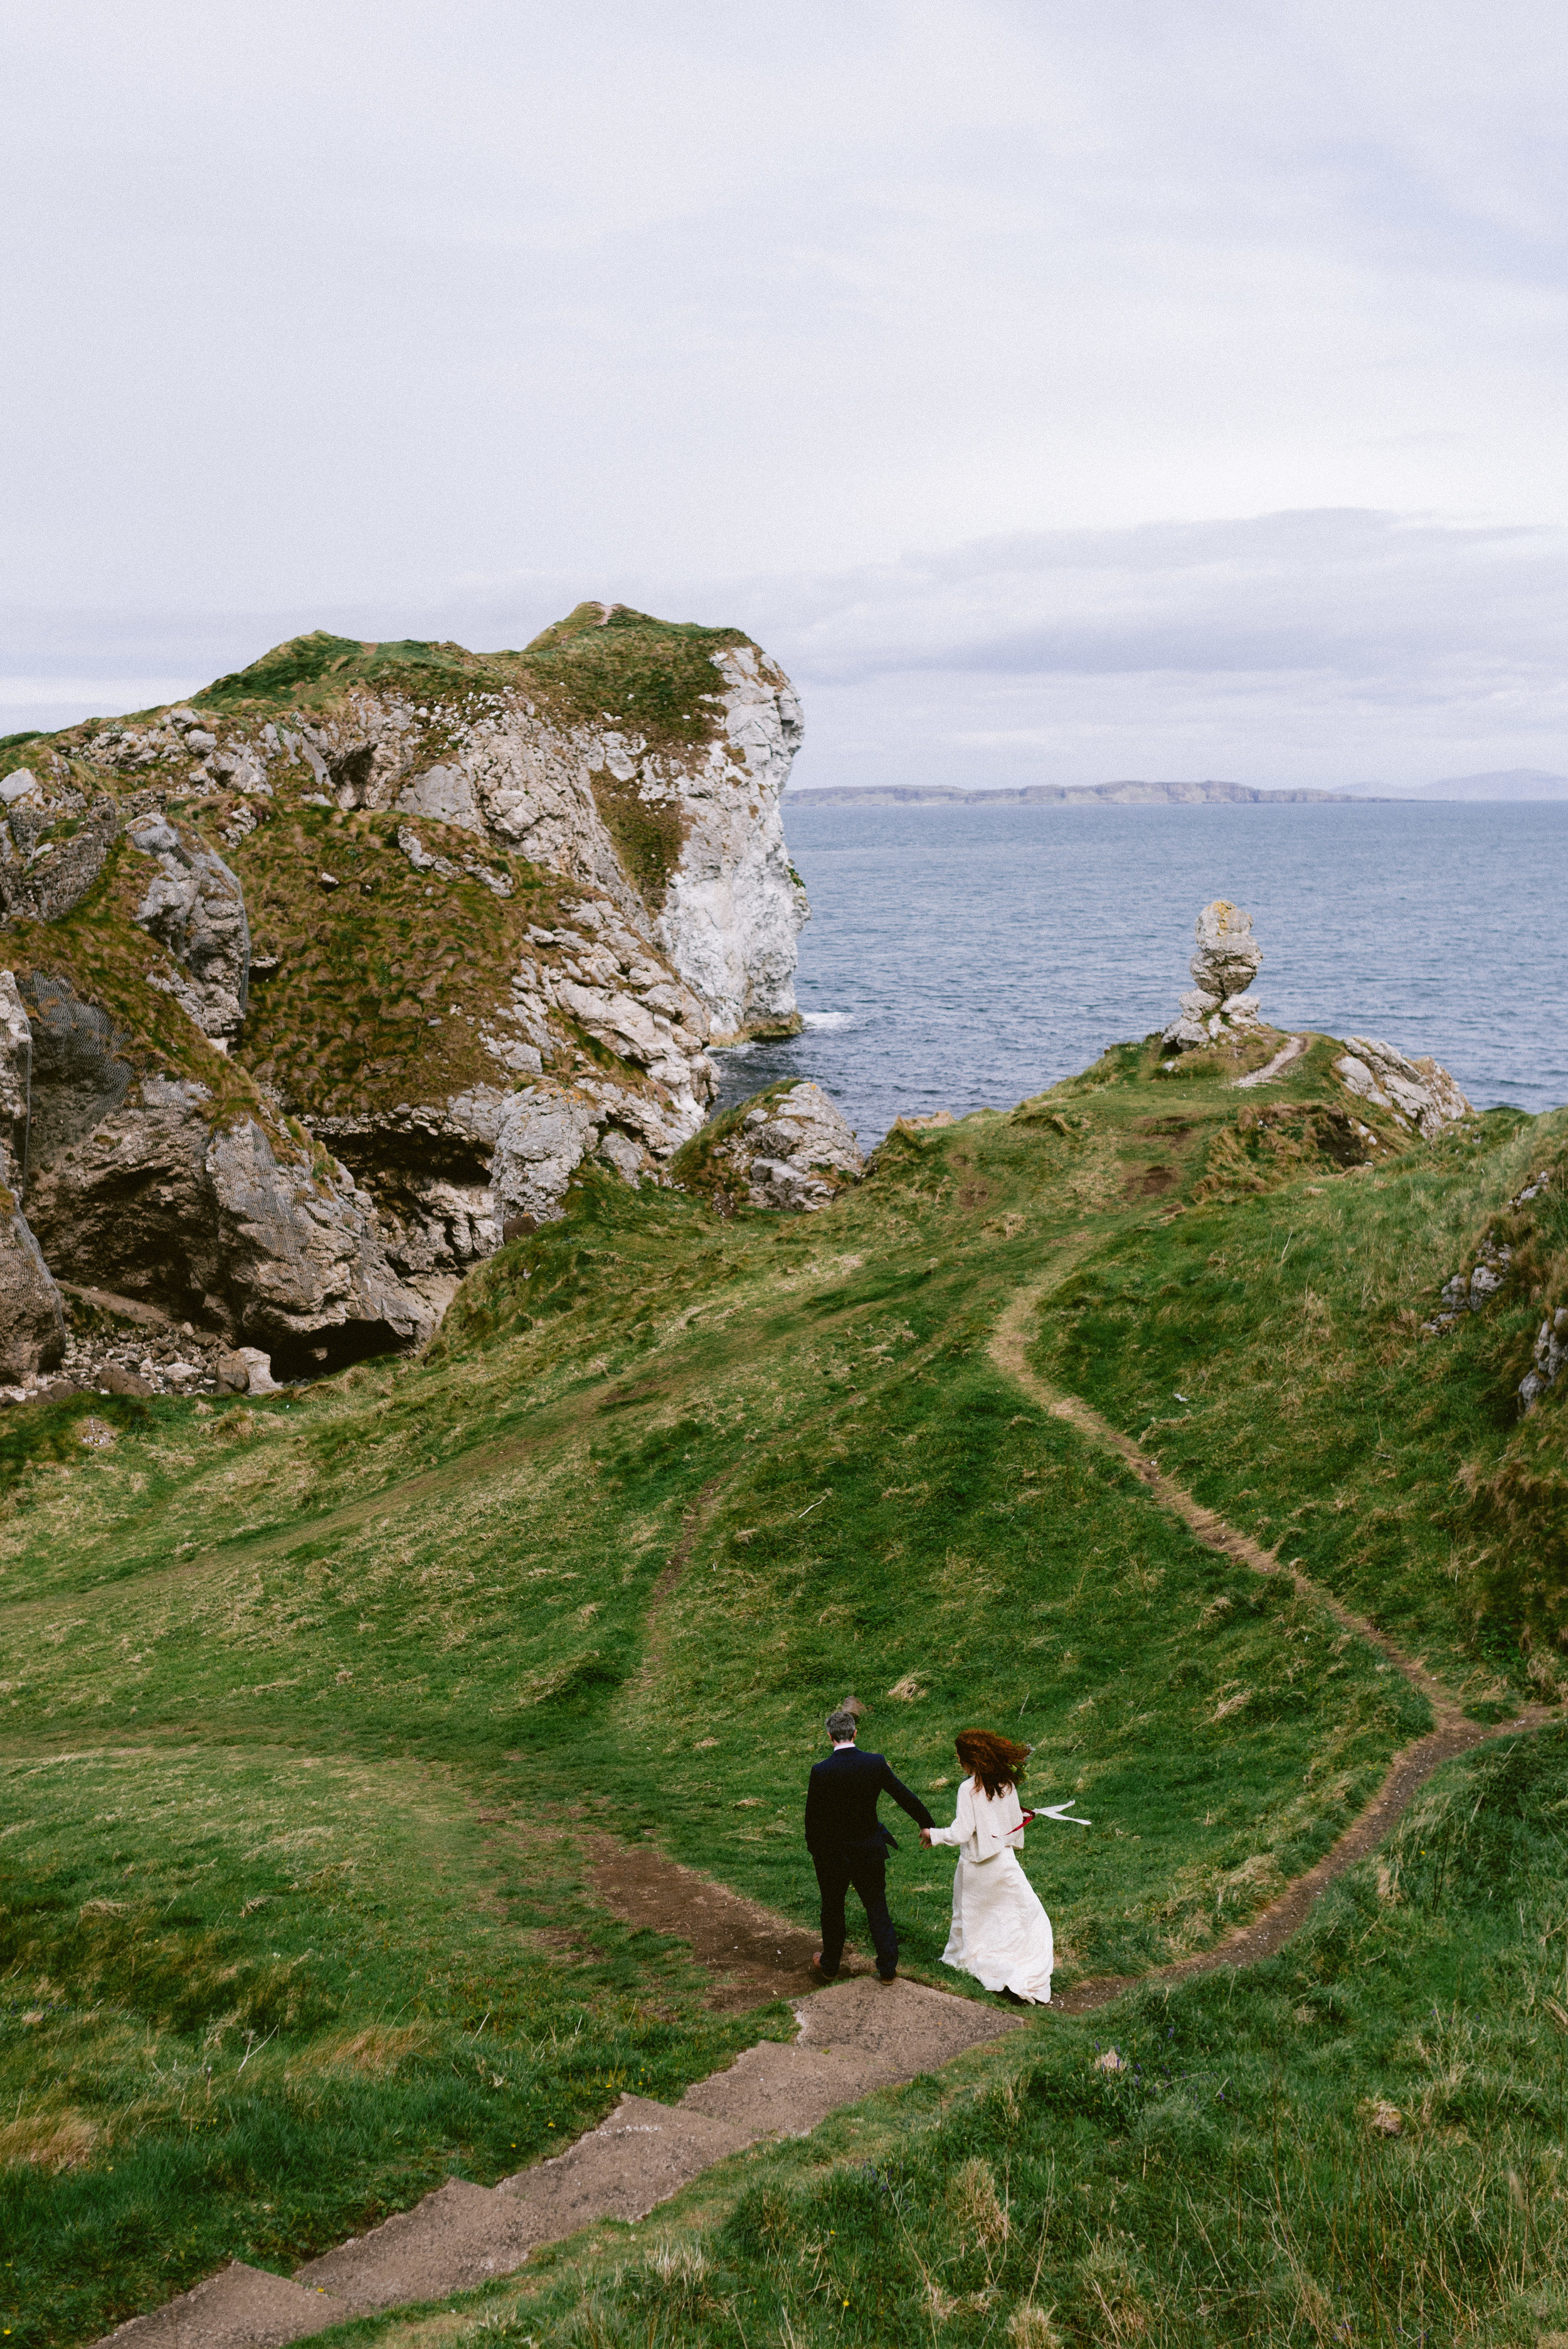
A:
<point x="819" y="1968"/>
<point x="887" y="1978"/>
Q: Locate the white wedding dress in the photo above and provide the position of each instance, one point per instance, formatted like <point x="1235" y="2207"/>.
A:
<point x="1000" y="1933"/>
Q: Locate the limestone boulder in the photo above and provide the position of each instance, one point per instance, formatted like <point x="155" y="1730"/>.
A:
<point x="194" y="906"/>
<point x="794" y="1152"/>
<point x="544" y="1136"/>
<point x="1225" y="961"/>
<point x="1421" y="1095"/>
<point x="153" y="1203"/>
<point x="1227" y="957"/>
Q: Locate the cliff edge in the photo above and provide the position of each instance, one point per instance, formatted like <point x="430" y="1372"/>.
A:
<point x="322" y="982"/>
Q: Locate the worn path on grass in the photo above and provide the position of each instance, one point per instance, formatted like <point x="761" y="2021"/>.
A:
<point x="1407" y="1772"/>
<point x="754" y="1954"/>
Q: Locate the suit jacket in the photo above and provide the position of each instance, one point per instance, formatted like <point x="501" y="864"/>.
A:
<point x="841" y="1804"/>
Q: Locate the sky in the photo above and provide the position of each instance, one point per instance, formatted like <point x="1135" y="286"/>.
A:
<point x="1061" y="392"/>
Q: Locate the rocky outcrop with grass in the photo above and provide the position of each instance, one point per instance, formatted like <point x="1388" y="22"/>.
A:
<point x="32" y="1324"/>
<point x="1419" y="1094"/>
<point x="1221" y="1013"/>
<point x="334" y="973"/>
<point x="789" y="1147"/>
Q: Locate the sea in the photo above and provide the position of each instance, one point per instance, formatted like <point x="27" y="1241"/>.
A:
<point x="964" y="957"/>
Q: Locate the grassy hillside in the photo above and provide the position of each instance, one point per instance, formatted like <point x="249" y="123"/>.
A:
<point x="312" y="1708"/>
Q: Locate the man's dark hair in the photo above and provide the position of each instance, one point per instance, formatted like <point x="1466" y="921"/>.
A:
<point x="839" y="1726"/>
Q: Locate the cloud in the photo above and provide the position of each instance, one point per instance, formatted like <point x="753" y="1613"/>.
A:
<point x="679" y="292"/>
<point x="1296" y="648"/>
<point x="1208" y="360"/>
<point x="1348" y="593"/>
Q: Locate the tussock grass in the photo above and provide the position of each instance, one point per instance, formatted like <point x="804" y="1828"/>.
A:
<point x="1271" y="1351"/>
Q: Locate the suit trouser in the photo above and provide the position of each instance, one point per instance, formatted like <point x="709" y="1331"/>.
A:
<point x="867" y="1871"/>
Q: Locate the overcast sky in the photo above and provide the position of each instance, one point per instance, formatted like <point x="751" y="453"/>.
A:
<point x="1061" y="391"/>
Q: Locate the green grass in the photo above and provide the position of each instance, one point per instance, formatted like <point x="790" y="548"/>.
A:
<point x="235" y="2018"/>
<point x="1270" y="1351"/>
<point x="293" y="1649"/>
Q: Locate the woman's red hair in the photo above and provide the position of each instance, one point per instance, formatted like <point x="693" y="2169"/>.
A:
<point x="996" y="1762"/>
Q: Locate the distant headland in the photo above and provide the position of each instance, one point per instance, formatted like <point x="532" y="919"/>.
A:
<point x="1511" y="783"/>
<point x="1130" y="794"/>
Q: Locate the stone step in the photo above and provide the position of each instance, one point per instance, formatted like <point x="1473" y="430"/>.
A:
<point x="640" y="2155"/>
<point x="458" y="2237"/>
<point x="859" y="2035"/>
<point x="902" y="2026"/>
<point x="238" y="2308"/>
<point x="784" y="2090"/>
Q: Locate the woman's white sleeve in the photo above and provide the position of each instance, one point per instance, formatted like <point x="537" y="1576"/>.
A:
<point x="963" y="1821"/>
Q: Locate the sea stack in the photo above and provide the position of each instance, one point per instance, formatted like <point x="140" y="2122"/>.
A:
<point x="1225" y="961"/>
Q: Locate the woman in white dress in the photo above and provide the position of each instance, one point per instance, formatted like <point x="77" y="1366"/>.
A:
<point x="1000" y="1933"/>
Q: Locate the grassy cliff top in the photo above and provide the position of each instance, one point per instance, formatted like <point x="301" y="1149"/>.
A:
<point x="601" y="663"/>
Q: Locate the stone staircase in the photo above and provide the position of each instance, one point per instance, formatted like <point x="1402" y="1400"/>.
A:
<point x="856" y="2036"/>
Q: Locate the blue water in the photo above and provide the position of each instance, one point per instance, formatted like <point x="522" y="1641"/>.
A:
<point x="962" y="957"/>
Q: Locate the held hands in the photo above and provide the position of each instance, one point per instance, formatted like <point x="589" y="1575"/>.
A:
<point x="925" y="1839"/>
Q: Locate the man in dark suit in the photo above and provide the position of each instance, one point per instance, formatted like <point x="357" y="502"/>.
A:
<point x="848" y="1845"/>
